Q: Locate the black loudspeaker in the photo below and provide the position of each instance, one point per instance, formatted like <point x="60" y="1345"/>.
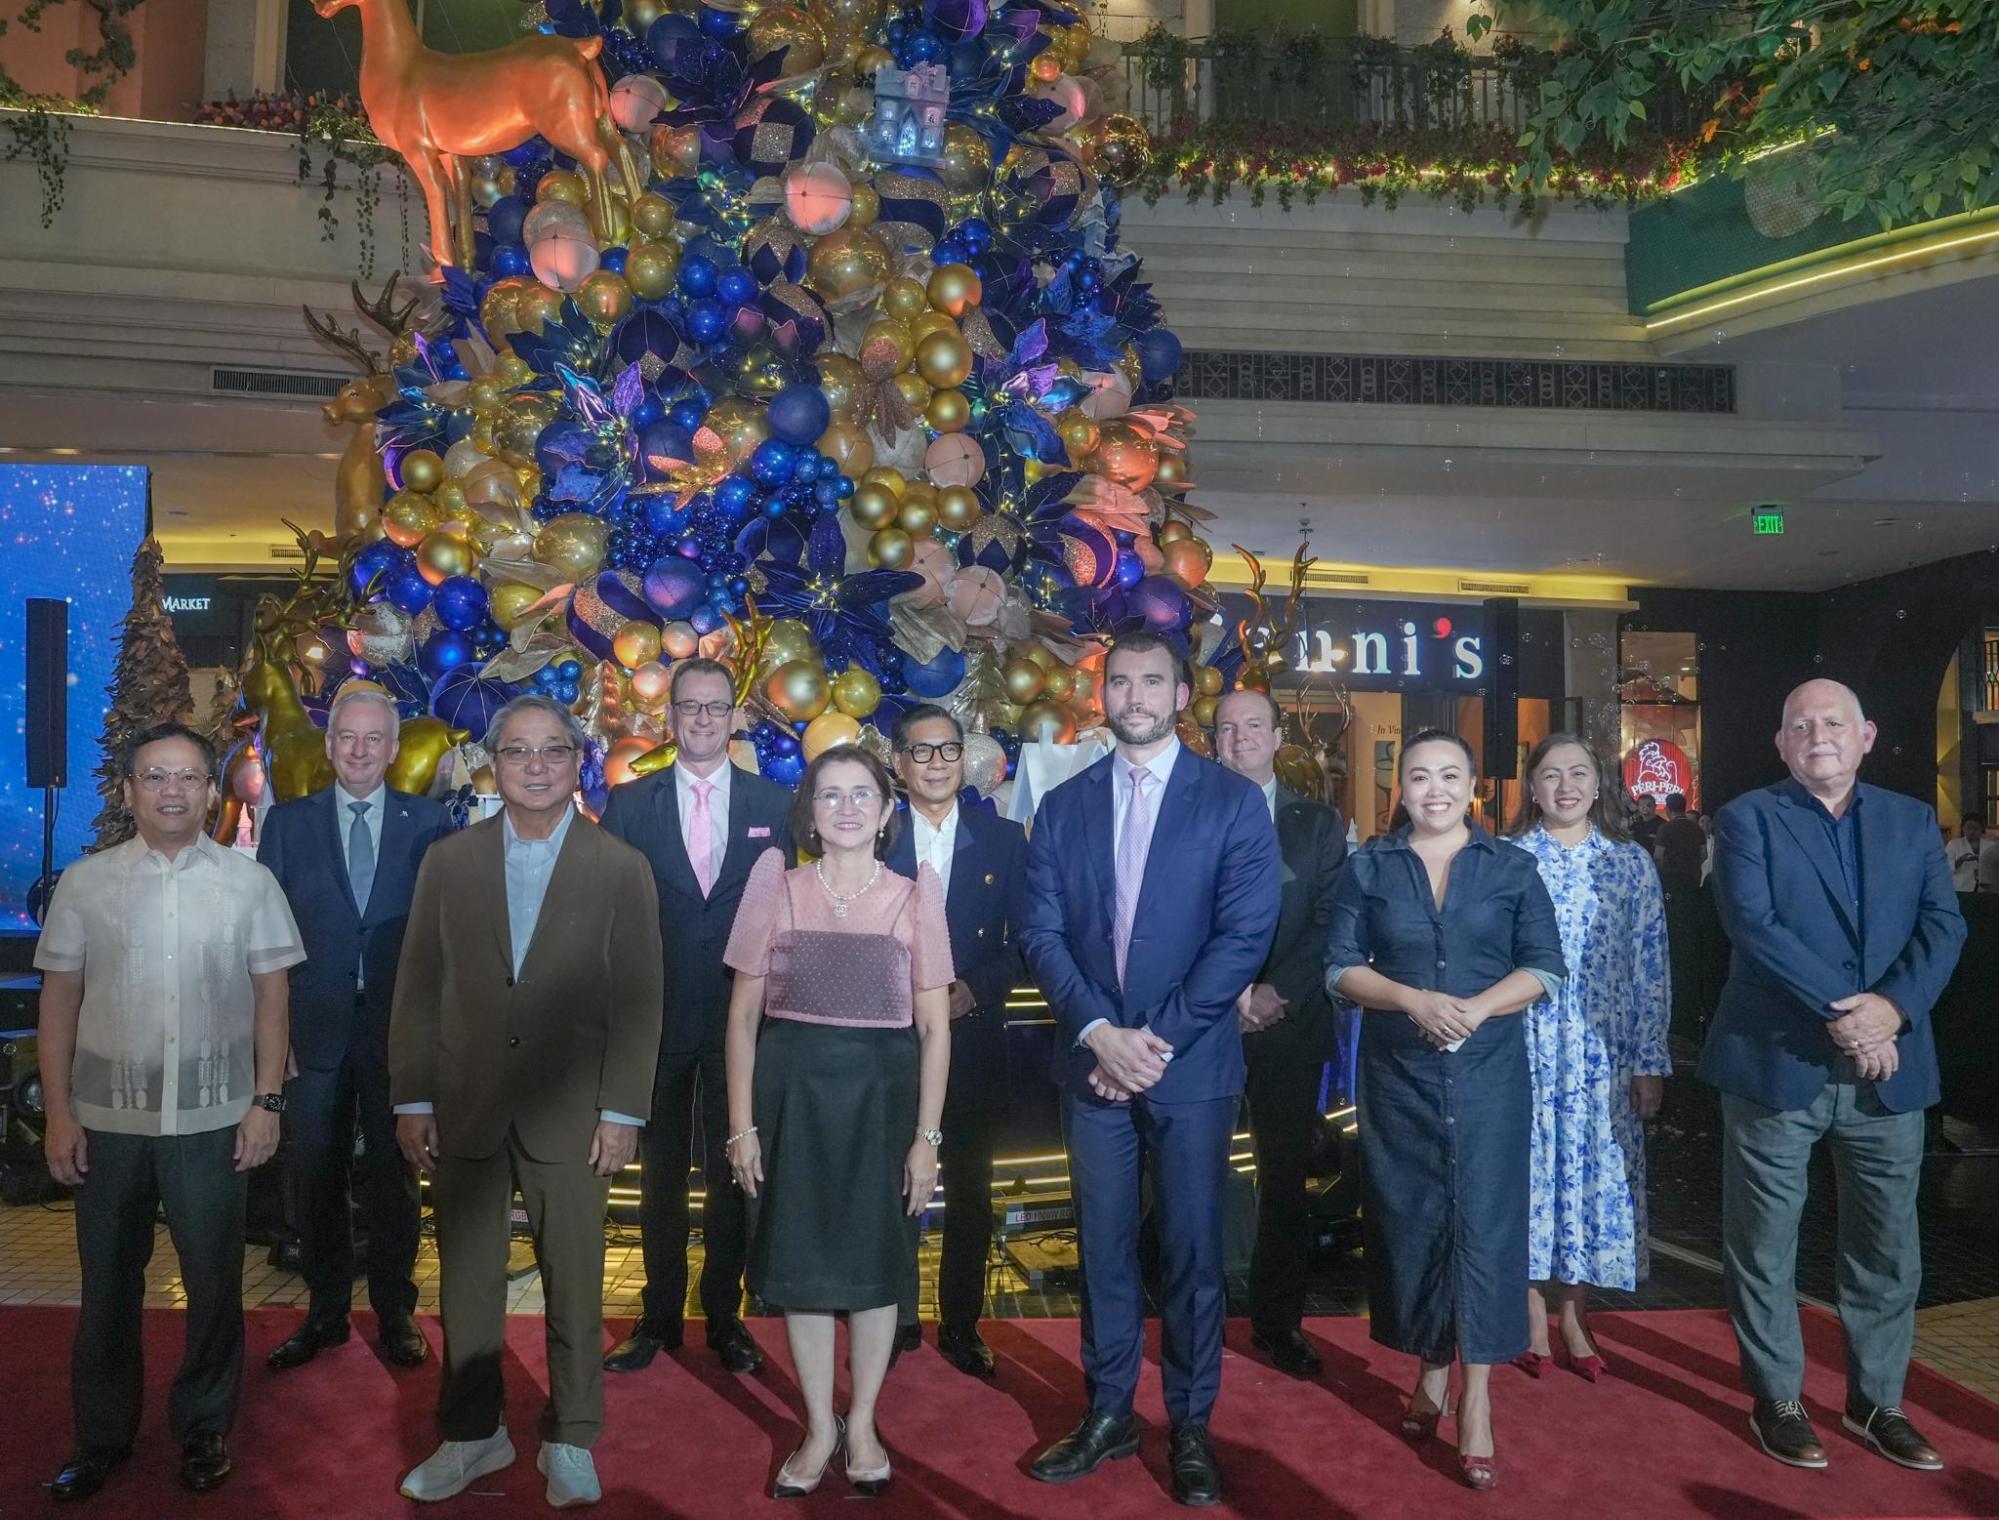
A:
<point x="48" y="692"/>
<point x="1502" y="687"/>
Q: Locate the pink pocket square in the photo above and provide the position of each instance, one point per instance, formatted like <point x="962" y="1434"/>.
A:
<point x="760" y="833"/>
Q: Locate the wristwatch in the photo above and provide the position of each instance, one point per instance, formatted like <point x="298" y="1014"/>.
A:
<point x="275" y="1102"/>
<point x="934" y="1136"/>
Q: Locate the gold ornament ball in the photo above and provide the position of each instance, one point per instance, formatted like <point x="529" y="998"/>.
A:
<point x="1076" y="43"/>
<point x="498" y="314"/>
<point x="443" y="555"/>
<point x="944" y="360"/>
<point x="1172" y="531"/>
<point x="891" y="549"/>
<point x="916" y="516"/>
<point x="847" y="263"/>
<point x="788" y="640"/>
<point x="573" y="543"/>
<point x="826" y="731"/>
<point x="1040" y="653"/>
<point x="510" y="368"/>
<point x="407" y="518"/>
<point x="847" y="446"/>
<point x="855" y="692"/>
<point x="905" y="299"/>
<point x="1079" y="434"/>
<point x="1120" y="150"/>
<point x="914" y="390"/>
<point x="1202" y="711"/>
<point x="508" y="601"/>
<point x="867" y="207"/>
<point x="485" y="783"/>
<point x="871" y="60"/>
<point x="955" y="288"/>
<point x="886" y="346"/>
<point x="789" y="27"/>
<point x="1186" y="563"/>
<point x="604" y="298"/>
<point x="423" y="471"/>
<point x="641" y="14"/>
<point x="1037" y="715"/>
<point x="1024" y="679"/>
<point x="485" y="393"/>
<point x="678" y="640"/>
<point x="676" y="151"/>
<point x="1059" y="684"/>
<point x="967" y="160"/>
<point x="840" y="380"/>
<point x="563" y="185"/>
<point x="650" y="269"/>
<point x="1127" y="455"/>
<point x="889" y="478"/>
<point x="1252" y="678"/>
<point x="949" y="411"/>
<point x="652" y="215"/>
<point x="757" y="370"/>
<point x="931" y="322"/>
<point x="535" y="308"/>
<point x="1172" y="475"/>
<point x="1207" y="681"/>
<point x="651" y="681"/>
<point x="799" y="690"/>
<point x="729" y="434"/>
<point x="958" y="504"/>
<point x="873" y="506"/>
<point x="635" y="644"/>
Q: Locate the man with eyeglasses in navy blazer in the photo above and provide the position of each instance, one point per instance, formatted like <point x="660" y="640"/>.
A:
<point x="702" y="823"/>
<point x="981" y="858"/>
<point x="347" y="860"/>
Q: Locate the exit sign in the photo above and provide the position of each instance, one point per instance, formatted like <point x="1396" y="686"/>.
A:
<point x="1766" y="520"/>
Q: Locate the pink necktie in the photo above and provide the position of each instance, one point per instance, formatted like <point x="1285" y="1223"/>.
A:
<point x="1131" y="854"/>
<point x="701" y="839"/>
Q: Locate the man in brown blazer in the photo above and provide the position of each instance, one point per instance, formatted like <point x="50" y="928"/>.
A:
<point x="522" y="1044"/>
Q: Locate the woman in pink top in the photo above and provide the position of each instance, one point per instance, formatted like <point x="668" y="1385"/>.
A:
<point x="838" y="1047"/>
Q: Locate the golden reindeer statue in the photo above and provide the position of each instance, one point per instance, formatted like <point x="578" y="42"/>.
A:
<point x="438" y="108"/>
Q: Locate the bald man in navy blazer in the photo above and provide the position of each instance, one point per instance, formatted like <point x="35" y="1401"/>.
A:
<point x="1152" y="898"/>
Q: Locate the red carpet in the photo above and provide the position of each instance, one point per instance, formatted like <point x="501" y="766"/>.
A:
<point x="1665" y="1437"/>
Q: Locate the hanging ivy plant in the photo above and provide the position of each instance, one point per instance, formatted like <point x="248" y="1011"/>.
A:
<point x="38" y="130"/>
<point x="346" y="138"/>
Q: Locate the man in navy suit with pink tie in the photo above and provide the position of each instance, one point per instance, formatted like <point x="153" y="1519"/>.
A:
<point x="1153" y="894"/>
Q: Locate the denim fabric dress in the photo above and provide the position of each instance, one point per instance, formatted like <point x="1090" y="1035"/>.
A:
<point x="1444" y="1134"/>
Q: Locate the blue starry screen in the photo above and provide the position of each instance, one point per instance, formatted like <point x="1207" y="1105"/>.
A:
<point x="69" y="532"/>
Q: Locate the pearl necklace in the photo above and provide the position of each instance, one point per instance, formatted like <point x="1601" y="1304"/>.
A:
<point x="841" y="904"/>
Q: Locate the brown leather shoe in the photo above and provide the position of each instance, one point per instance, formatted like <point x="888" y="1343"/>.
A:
<point x="1885" y="1428"/>
<point x="1784" y="1430"/>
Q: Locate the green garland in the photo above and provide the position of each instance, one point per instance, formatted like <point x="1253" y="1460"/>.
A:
<point x="40" y="130"/>
<point x="347" y="139"/>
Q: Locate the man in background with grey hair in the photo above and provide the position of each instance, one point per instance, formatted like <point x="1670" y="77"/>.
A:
<point x="1838" y="903"/>
<point x="347" y="860"/>
<point x="521" y="1055"/>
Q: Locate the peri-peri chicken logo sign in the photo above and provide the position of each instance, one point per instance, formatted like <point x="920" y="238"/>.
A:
<point x="1658" y="768"/>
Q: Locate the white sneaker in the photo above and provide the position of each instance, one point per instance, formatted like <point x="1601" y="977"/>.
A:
<point x="453" y="1466"/>
<point x="572" y="1476"/>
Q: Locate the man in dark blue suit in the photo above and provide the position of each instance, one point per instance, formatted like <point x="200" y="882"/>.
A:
<point x="1838" y="900"/>
<point x="347" y="859"/>
<point x="1152" y="896"/>
<point x="982" y="860"/>
<point x="702" y="823"/>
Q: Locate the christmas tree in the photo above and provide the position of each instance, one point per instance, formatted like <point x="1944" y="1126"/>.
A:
<point x="148" y="687"/>
<point x="825" y="359"/>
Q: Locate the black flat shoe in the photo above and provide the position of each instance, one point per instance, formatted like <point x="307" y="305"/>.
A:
<point x="1289" y="1351"/>
<point x="84" y="1473"/>
<point x="964" y="1350"/>
<point x="403" y="1344"/>
<point x="305" y="1343"/>
<point x="1197" y="1479"/>
<point x="636" y="1351"/>
<point x="797" y="1488"/>
<point x="1099" y="1439"/>
<point x="869" y="1482"/>
<point x="204" y="1461"/>
<point x="737" y="1348"/>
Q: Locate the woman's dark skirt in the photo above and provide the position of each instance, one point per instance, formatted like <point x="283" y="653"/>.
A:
<point x="835" y="1110"/>
<point x="1443" y="1140"/>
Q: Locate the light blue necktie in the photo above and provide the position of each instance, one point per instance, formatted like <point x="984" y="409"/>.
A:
<point x="360" y="856"/>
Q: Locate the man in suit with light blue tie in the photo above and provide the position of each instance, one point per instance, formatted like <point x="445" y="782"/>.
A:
<point x="981" y="858"/>
<point x="1152" y="897"/>
<point x="347" y="859"/>
<point x="1838" y="902"/>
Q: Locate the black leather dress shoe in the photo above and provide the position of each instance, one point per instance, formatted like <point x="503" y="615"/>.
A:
<point x="403" y="1343"/>
<point x="732" y="1342"/>
<point x="1099" y="1439"/>
<point x="305" y="1343"/>
<point x="1289" y="1351"/>
<point x="965" y="1350"/>
<point x="635" y="1352"/>
<point x="204" y="1461"/>
<point x="84" y="1473"/>
<point x="1197" y="1480"/>
<point x="1784" y="1430"/>
<point x="1888" y="1431"/>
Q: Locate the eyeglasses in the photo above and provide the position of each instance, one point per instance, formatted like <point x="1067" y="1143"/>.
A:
<point x="554" y="756"/>
<point x="158" y="780"/>
<point x="922" y="754"/>
<point x="859" y="796"/>
<point x="696" y="709"/>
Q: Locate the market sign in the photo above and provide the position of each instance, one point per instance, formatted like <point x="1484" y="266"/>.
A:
<point x="1658" y="768"/>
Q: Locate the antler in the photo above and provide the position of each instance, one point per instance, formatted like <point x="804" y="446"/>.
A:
<point x="349" y="343"/>
<point x="382" y="311"/>
<point x="1244" y="626"/>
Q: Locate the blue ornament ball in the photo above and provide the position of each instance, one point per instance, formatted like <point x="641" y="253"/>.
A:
<point x="664" y="447"/>
<point x="772" y="462"/>
<point x="799" y="414"/>
<point x="465" y="699"/>
<point x="443" y="652"/>
<point x="935" y="677"/>
<point x="785" y="770"/>
<point x="461" y="603"/>
<point x="736" y="286"/>
<point x="1130" y="570"/>
<point x="504" y="218"/>
<point x="1161" y="601"/>
<point x="675" y="586"/>
<point x="409" y="591"/>
<point x="704" y="619"/>
<point x="380" y="558"/>
<point x="707" y="321"/>
<point x="697" y="275"/>
<point x="1158" y="354"/>
<point x="510" y="261"/>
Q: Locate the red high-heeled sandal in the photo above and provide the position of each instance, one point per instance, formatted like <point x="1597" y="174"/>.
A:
<point x="1421" y="1425"/>
<point x="1533" y="1363"/>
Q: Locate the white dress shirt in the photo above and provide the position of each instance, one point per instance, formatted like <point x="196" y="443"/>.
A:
<point x="166" y="1035"/>
<point x="718" y="808"/>
<point x="936" y="843"/>
<point x="1270" y="797"/>
<point x="1160" y="769"/>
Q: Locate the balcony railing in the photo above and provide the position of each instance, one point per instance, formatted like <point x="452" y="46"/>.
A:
<point x="1352" y="82"/>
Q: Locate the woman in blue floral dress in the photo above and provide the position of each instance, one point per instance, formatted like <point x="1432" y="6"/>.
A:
<point x="1596" y="1050"/>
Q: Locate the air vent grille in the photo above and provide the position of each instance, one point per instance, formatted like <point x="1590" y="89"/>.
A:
<point x="1493" y="588"/>
<point x="266" y="382"/>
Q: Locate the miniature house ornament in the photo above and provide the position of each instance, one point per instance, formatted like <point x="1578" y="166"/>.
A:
<point x="908" y="123"/>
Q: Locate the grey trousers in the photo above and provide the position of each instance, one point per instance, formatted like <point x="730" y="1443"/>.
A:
<point x="1877" y="1160"/>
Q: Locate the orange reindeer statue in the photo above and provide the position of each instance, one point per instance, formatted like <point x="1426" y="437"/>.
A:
<point x="437" y="108"/>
